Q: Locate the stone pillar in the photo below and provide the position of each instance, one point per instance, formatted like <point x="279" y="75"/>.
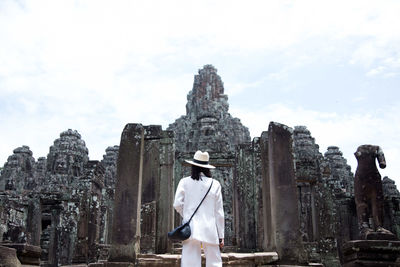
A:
<point x="284" y="200"/>
<point x="125" y="243"/>
<point x="244" y="198"/>
<point x="157" y="193"/>
<point x="258" y="195"/>
<point x="165" y="210"/>
<point x="151" y="186"/>
<point x="34" y="221"/>
<point x="269" y="235"/>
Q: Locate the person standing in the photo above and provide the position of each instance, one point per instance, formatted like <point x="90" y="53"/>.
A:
<point x="208" y="223"/>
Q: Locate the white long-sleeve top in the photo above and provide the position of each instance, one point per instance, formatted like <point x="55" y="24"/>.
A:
<point x="208" y="223"/>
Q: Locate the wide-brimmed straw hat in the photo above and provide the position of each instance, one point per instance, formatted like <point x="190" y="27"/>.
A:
<point x="201" y="159"/>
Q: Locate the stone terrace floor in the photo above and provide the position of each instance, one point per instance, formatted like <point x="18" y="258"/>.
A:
<point x="174" y="260"/>
<point x="258" y="259"/>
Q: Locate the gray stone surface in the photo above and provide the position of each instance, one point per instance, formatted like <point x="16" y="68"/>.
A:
<point x="143" y="194"/>
<point x="207" y="125"/>
<point x="110" y="164"/>
<point x="342" y="179"/>
<point x="125" y="241"/>
<point x="66" y="161"/>
<point x="18" y="171"/>
<point x="371" y="253"/>
<point x="8" y="257"/>
<point x="284" y="198"/>
<point x="389" y="188"/>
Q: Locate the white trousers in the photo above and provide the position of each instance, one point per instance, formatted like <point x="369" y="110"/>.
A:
<point x="191" y="254"/>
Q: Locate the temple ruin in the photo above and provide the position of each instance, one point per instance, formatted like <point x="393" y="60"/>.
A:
<point x="281" y="194"/>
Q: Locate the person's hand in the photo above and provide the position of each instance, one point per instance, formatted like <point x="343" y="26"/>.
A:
<point x="221" y="243"/>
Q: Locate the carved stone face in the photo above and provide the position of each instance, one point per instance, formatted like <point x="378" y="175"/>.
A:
<point x="13" y="161"/>
<point x="61" y="165"/>
<point x="207" y="126"/>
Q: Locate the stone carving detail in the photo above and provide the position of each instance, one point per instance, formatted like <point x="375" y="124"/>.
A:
<point x="308" y="160"/>
<point x="389" y="188"/>
<point x="18" y="172"/>
<point x="369" y="192"/>
<point x="66" y="159"/>
<point x="110" y="163"/>
<point x="207" y="124"/>
<point x="341" y="179"/>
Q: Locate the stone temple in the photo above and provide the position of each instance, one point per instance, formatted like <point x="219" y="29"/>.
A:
<point x="285" y="202"/>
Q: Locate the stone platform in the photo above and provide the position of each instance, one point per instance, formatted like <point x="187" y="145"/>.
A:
<point x="174" y="260"/>
<point x="373" y="253"/>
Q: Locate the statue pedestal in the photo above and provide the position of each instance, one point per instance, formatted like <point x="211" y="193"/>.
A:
<point x="372" y="253"/>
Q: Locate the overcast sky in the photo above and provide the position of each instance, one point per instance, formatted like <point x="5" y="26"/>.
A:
<point x="93" y="66"/>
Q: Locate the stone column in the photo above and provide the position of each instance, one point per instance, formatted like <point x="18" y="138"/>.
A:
<point x="150" y="185"/>
<point x="244" y="198"/>
<point x="284" y="200"/>
<point x="34" y="222"/>
<point x="165" y="210"/>
<point x="125" y="243"/>
<point x="269" y="235"/>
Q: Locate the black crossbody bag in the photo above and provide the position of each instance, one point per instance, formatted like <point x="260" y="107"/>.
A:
<point x="183" y="231"/>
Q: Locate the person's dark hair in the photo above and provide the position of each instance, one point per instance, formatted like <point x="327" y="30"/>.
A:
<point x="196" y="170"/>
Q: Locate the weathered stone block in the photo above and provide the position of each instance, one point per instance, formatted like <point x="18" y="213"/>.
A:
<point x="8" y="257"/>
<point x="370" y="252"/>
<point x="27" y="254"/>
<point x="119" y="264"/>
<point x="128" y="188"/>
<point x="284" y="198"/>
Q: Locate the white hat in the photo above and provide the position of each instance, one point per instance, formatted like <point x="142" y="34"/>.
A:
<point x="201" y="159"/>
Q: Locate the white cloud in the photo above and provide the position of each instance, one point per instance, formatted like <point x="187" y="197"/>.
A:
<point x="376" y="71"/>
<point x="96" y="65"/>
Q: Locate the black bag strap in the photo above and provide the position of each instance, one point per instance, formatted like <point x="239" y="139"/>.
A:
<point x="201" y="201"/>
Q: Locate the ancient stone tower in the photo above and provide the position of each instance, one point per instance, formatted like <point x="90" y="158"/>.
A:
<point x="18" y="173"/>
<point x="208" y="126"/>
